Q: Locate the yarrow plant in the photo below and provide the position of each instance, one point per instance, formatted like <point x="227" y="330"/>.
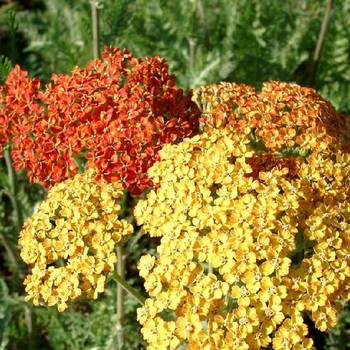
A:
<point x="249" y="249"/>
<point x="252" y="213"/>
<point x="70" y="242"/>
<point x="115" y="113"/>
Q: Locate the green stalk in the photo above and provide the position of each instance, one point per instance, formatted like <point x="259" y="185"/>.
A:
<point x="95" y="28"/>
<point x="120" y="297"/>
<point x="13" y="194"/>
<point x="12" y="177"/>
<point x="121" y="272"/>
<point x="203" y="19"/>
<point x="320" y="41"/>
<point x="131" y="290"/>
<point x="29" y="322"/>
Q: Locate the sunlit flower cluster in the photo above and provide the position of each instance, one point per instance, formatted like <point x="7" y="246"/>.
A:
<point x="282" y="115"/>
<point x="115" y="113"/>
<point x="70" y="241"/>
<point x="249" y="250"/>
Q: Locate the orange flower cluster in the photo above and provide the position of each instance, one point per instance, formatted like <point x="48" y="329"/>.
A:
<point x="282" y="116"/>
<point x="116" y="113"/>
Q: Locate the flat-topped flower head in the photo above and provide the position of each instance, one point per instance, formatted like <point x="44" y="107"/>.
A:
<point x="19" y="105"/>
<point x="247" y="246"/>
<point x="281" y="116"/>
<point x="70" y="241"/>
<point x="115" y="113"/>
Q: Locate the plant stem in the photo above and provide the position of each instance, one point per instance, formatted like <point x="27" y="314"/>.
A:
<point x="95" y="28"/>
<point x="12" y="177"/>
<point x="121" y="272"/>
<point x="120" y="296"/>
<point x="202" y="17"/>
<point x="131" y="290"/>
<point x="133" y="241"/>
<point x="320" y="41"/>
<point x="29" y="322"/>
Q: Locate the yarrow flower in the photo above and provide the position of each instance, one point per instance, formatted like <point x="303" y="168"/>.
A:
<point x="70" y="241"/>
<point x="249" y="247"/>
<point x="282" y="115"/>
<point x="117" y="112"/>
<point x="19" y="106"/>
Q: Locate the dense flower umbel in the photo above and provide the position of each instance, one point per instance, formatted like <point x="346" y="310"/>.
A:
<point x="19" y="107"/>
<point x="70" y="241"/>
<point x="282" y="115"/>
<point x="116" y="112"/>
<point x="245" y="253"/>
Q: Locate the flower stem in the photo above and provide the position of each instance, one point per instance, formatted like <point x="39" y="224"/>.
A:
<point x="13" y="189"/>
<point x="12" y="193"/>
<point x="29" y="322"/>
<point x="120" y="296"/>
<point x="202" y="17"/>
<point x="95" y="28"/>
<point x="320" y="41"/>
<point x="131" y="290"/>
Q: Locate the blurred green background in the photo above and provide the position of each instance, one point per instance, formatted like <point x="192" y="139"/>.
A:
<point x="204" y="41"/>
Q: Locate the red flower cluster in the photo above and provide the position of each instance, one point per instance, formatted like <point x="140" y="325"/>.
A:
<point x="116" y="112"/>
<point x="19" y="107"/>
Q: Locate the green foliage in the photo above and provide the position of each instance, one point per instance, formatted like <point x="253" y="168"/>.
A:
<point x="15" y="319"/>
<point x="339" y="337"/>
<point x="333" y="78"/>
<point x="5" y="315"/>
<point x="58" y="36"/>
<point x="5" y="67"/>
<point x="115" y="16"/>
<point x="89" y="325"/>
<point x="12" y="27"/>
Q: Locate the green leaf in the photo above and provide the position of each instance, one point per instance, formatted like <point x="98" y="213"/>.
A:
<point x="5" y="67"/>
<point x="4" y="182"/>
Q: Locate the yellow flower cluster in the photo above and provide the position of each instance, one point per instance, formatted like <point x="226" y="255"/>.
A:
<point x="246" y="253"/>
<point x="70" y="240"/>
